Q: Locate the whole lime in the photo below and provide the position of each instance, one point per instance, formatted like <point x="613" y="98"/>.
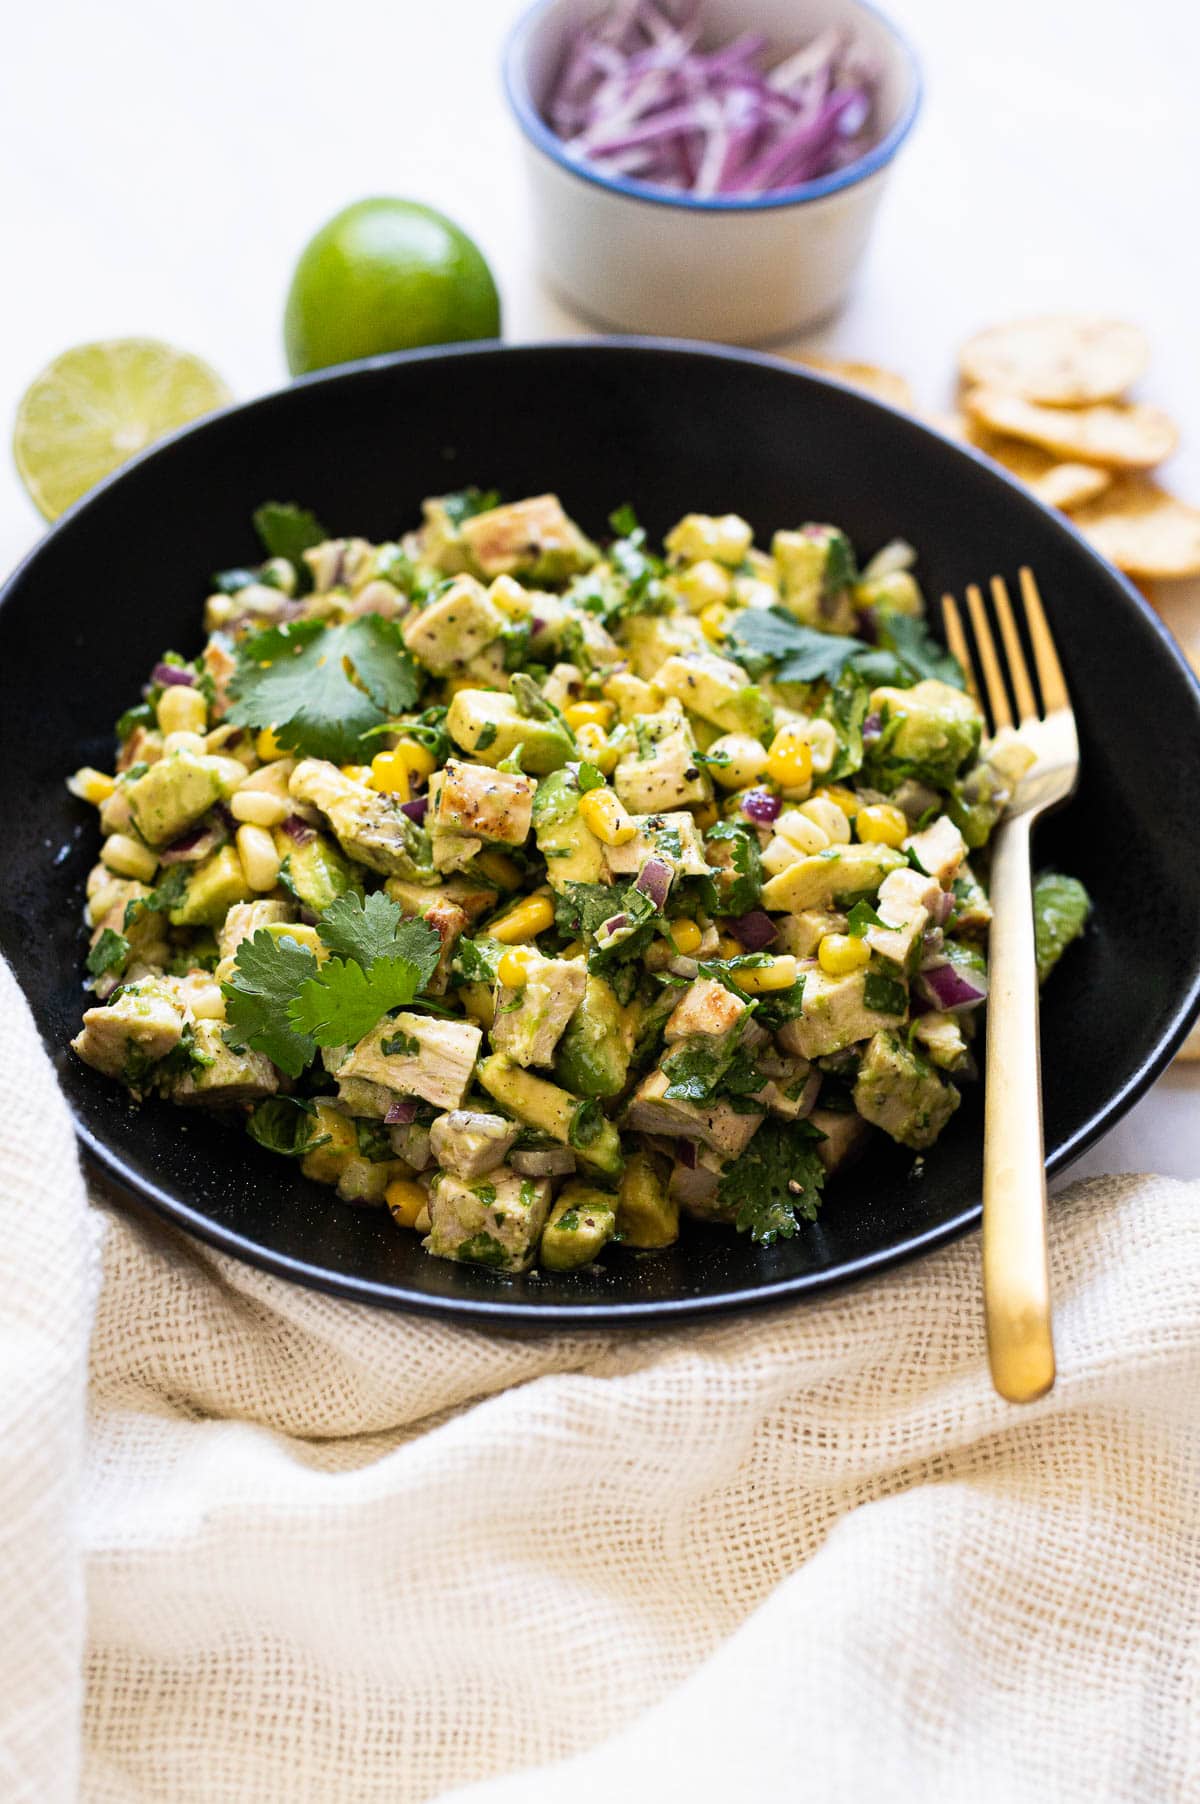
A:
<point x="385" y="275"/>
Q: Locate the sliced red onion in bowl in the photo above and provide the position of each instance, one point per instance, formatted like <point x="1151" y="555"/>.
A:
<point x="953" y="988"/>
<point x="654" y="880"/>
<point x="402" y="1113"/>
<point x="755" y="930"/>
<point x="761" y="807"/>
<point x="170" y="675"/>
<point x="543" y="1161"/>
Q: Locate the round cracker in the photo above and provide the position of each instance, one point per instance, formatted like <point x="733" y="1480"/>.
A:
<point x="886" y="385"/>
<point x="1127" y="436"/>
<point x="1055" y="484"/>
<point x="1068" y="360"/>
<point x="1142" y="530"/>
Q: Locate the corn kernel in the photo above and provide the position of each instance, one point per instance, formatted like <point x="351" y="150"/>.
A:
<point x="582" y="714"/>
<point x="789" y="761"/>
<point x="181" y="710"/>
<point x="800" y="830"/>
<point x="687" y="937"/>
<point x="823" y="743"/>
<point x="703" y="585"/>
<point x="843" y="798"/>
<point x="405" y="1200"/>
<point x="576" y="949"/>
<point x="746" y="760"/>
<point x="728" y="947"/>
<point x="631" y="694"/>
<point x="91" y="785"/>
<point x="510" y="597"/>
<point x="418" y="758"/>
<point x="597" y="748"/>
<point x="829" y="818"/>
<point x="840" y="953"/>
<point x="882" y="824"/>
<point x="705" y="815"/>
<point x="184" y="741"/>
<point x="389" y="775"/>
<point x="499" y="869"/>
<point x="257" y="808"/>
<point x="526" y="921"/>
<point x="780" y="974"/>
<point x="357" y="773"/>
<point x="128" y="857"/>
<point x="778" y="854"/>
<point x="713" y="621"/>
<point x="268" y="747"/>
<point x="452" y="685"/>
<point x="270" y="779"/>
<point x="514" y="967"/>
<point x="607" y="817"/>
<point x="478" y="1002"/>
<point x="260" y="860"/>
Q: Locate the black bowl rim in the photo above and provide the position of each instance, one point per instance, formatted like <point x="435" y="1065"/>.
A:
<point x="492" y="1312"/>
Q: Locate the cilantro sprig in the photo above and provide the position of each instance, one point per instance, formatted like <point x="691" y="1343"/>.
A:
<point x="324" y="688"/>
<point x="776" y="1183"/>
<point x="282" y="1002"/>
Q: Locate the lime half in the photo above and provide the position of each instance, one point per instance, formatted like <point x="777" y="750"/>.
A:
<point x="98" y="405"/>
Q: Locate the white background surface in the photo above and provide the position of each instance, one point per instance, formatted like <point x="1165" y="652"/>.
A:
<point x="162" y="165"/>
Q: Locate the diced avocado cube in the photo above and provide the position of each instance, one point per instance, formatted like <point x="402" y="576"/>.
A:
<point x="532" y="538"/>
<point x="719" y="691"/>
<point x="172" y="795"/>
<point x="530" y="1017"/>
<point x="213" y="887"/>
<point x="835" y="1013"/>
<point x="572" y="851"/>
<point x="928" y="732"/>
<point x="366" y="1180"/>
<point x="568" y="1119"/>
<point x="647" y="1213"/>
<point x="132" y="1033"/>
<point x="370" y="827"/>
<point x="474" y="801"/>
<point x="489" y="726"/>
<point x="440" y="543"/>
<point x="580" y="1226"/>
<point x="839" y="874"/>
<point x="593" y="1054"/>
<point x="317" y="873"/>
<point x="650" y="639"/>
<point x="220" y="1077"/>
<point x="972" y="914"/>
<point x="900" y="1092"/>
<point x="941" y="1038"/>
<point x="726" y="539"/>
<point x="325" y="1164"/>
<point x="496" y="1221"/>
<point x="816" y="570"/>
<point x="414" y="1055"/>
<point x="673" y="837"/>
<point x="453" y="626"/>
<point x="898" y="592"/>
<point x="659" y="771"/>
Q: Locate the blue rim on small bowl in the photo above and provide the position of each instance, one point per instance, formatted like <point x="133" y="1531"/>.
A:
<point x="539" y="134"/>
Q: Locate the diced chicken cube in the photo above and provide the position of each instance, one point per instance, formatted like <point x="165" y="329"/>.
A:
<point x="716" y="1124"/>
<point x="898" y="1091"/>
<point x="468" y="1143"/>
<point x="940" y="848"/>
<point x="531" y="1019"/>
<point x="693" y="1186"/>
<point x="905" y="901"/>
<point x="846" y="1134"/>
<point x="413" y="1055"/>
<point x="834" y="1014"/>
<point x="472" y="800"/>
<point x="496" y="1222"/>
<point x="244" y="920"/>
<point x="802" y="933"/>
<point x="665" y="776"/>
<point x="218" y="1076"/>
<point x="707" y="1007"/>
<point x="368" y="826"/>
<point x="452" y="628"/>
<point x="140" y="1027"/>
<point x="533" y="538"/>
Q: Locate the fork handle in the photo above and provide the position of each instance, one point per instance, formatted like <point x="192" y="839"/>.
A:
<point x="1016" y="1277"/>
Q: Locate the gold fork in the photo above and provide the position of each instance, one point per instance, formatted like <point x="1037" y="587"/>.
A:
<point x="1016" y="1278"/>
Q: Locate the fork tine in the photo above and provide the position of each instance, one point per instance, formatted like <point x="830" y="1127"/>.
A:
<point x="956" y="639"/>
<point x="1050" y="676"/>
<point x="993" y="676"/>
<point x="1018" y="669"/>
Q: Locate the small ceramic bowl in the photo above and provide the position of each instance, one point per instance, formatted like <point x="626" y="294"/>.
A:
<point x="748" y="271"/>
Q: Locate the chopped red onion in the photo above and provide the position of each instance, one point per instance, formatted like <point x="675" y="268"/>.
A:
<point x="171" y="674"/>
<point x="654" y="880"/>
<point x="543" y="1161"/>
<point x="635" y="97"/>
<point x="191" y="847"/>
<point x="760" y="806"/>
<point x="872" y="728"/>
<point x="755" y="930"/>
<point x="415" y="810"/>
<point x="613" y="925"/>
<point x="402" y="1113"/>
<point x="299" y="830"/>
<point x="954" y="989"/>
<point x="942" y="908"/>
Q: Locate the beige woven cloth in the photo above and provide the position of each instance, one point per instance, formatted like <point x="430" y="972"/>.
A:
<point x="298" y="1550"/>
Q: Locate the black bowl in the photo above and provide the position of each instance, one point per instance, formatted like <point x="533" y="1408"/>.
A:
<point x="670" y="428"/>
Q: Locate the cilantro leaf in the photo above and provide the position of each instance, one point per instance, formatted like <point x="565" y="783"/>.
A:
<point x="168" y="895"/>
<point x="862" y="916"/>
<point x="464" y="504"/>
<point x="775" y="1183"/>
<point x="140" y="715"/>
<point x="323" y="688"/>
<point x="475" y="961"/>
<point x="108" y="954"/>
<point x="284" y="1124"/>
<point x="267" y="975"/>
<point x="364" y="930"/>
<point x="735" y="886"/>
<point x="845" y="708"/>
<point x="772" y="638"/>
<point x="887" y="995"/>
<point x="912" y="641"/>
<point x="589" y="777"/>
<point x="341" y="1002"/>
<point x="288" y="531"/>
